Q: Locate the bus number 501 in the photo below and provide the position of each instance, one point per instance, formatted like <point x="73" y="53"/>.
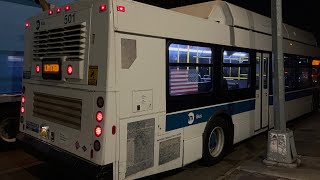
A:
<point x="69" y="18"/>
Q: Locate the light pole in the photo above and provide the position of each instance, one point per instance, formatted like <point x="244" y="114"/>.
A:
<point x="281" y="146"/>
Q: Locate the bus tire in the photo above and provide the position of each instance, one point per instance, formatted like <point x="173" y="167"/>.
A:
<point x="216" y="142"/>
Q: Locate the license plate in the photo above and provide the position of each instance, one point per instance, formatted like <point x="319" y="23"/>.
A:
<point x="51" y="68"/>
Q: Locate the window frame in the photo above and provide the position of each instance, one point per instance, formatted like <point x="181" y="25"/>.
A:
<point x="296" y="68"/>
<point x="176" y="64"/>
<point x="218" y="95"/>
<point x="252" y="62"/>
<point x="307" y="66"/>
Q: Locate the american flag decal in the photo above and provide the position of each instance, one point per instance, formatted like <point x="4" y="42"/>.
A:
<point x="183" y="81"/>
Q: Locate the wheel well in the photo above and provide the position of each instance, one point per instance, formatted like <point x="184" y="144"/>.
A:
<point x="229" y="136"/>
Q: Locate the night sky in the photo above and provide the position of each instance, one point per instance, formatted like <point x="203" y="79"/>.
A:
<point x="302" y="14"/>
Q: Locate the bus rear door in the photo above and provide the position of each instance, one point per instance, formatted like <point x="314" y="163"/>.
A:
<point x="262" y="91"/>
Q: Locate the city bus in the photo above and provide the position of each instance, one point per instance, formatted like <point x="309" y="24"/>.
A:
<point x="129" y="90"/>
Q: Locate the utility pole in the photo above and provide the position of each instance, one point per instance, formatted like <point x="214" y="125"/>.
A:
<point x="281" y="147"/>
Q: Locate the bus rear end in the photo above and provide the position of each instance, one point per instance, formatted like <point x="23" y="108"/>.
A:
<point x="67" y="103"/>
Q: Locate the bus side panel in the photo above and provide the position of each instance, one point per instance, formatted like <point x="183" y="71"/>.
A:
<point x="298" y="107"/>
<point x="149" y="20"/>
<point x="243" y="125"/>
<point x="143" y="152"/>
<point x="193" y="140"/>
<point x="145" y="148"/>
<point x="297" y="104"/>
<point x="140" y="75"/>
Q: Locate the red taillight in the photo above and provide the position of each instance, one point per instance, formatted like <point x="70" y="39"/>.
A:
<point x="69" y="69"/>
<point x="100" y="102"/>
<point x="50" y="12"/>
<point x="121" y="8"/>
<point x="114" y="129"/>
<point x="67" y="8"/>
<point x="22" y="109"/>
<point x="58" y="10"/>
<point x="27" y="24"/>
<point x="99" y="116"/>
<point x="37" y="68"/>
<point x="103" y="7"/>
<point x="98" y="131"/>
<point x="23" y="99"/>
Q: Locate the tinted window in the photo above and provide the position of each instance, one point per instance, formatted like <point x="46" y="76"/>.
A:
<point x="289" y="78"/>
<point x="234" y="57"/>
<point x="257" y="72"/>
<point x="236" y="70"/>
<point x="190" y="69"/>
<point x="189" y="54"/>
<point x="303" y="78"/>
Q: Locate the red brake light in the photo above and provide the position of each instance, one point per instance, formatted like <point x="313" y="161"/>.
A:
<point x="22" y="109"/>
<point x="58" y="10"/>
<point x="37" y="68"/>
<point x="69" y="70"/>
<point x="50" y="12"/>
<point x="103" y="7"/>
<point x="99" y="116"/>
<point x="98" y="131"/>
<point x="67" y="8"/>
<point x="121" y="8"/>
<point x="27" y="24"/>
<point x="23" y="99"/>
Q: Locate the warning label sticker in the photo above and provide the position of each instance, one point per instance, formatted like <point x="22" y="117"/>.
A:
<point x="93" y="75"/>
<point x="63" y="138"/>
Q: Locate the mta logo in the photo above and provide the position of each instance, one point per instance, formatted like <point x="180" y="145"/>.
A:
<point x="191" y="118"/>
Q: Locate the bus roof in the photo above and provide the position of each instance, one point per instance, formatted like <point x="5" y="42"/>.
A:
<point x="232" y="15"/>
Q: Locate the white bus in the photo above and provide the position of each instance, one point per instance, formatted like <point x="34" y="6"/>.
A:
<point x="131" y="90"/>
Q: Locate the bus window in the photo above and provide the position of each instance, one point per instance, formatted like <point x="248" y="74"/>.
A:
<point x="316" y="75"/>
<point x="289" y="78"/>
<point x="236" y="70"/>
<point x="234" y="57"/>
<point x="257" y="73"/>
<point x="315" y="72"/>
<point x="303" y="78"/>
<point x="303" y="73"/>
<point x="190" y="69"/>
<point x="290" y="72"/>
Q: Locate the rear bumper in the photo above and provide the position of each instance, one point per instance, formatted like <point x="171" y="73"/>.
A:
<point x="52" y="153"/>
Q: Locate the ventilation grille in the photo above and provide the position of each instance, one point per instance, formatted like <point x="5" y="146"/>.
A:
<point x="58" y="109"/>
<point x="67" y="41"/>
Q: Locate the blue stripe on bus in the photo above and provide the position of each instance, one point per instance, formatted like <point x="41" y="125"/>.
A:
<point x="180" y="120"/>
<point x="299" y="94"/>
<point x="293" y="95"/>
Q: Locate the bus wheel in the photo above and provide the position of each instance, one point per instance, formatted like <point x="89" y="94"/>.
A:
<point x="215" y="141"/>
